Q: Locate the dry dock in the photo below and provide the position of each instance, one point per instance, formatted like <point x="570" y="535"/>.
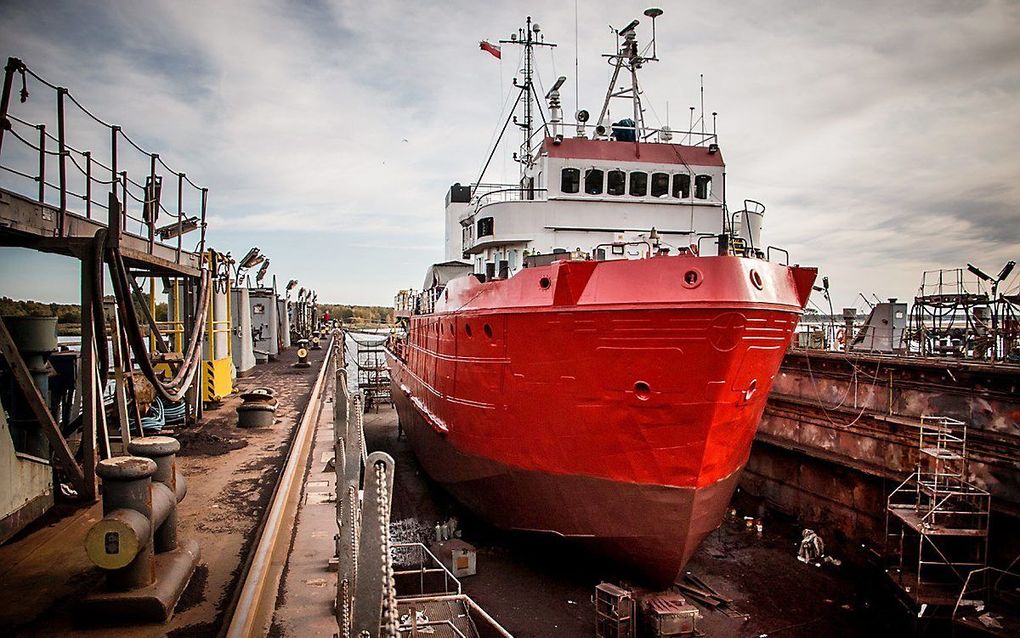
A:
<point x="262" y="504"/>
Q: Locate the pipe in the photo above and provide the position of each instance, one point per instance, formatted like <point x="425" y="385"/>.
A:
<point x="176" y="388"/>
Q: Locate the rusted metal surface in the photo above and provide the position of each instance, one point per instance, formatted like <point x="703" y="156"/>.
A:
<point x="838" y="429"/>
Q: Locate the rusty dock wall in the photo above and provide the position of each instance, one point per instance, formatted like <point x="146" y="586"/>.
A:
<point x="841" y="431"/>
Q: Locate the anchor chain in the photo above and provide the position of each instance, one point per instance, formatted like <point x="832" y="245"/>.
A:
<point x="389" y="621"/>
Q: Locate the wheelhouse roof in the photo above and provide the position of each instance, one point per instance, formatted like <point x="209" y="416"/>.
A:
<point x="645" y="152"/>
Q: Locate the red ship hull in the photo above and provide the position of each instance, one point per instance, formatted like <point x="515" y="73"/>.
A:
<point x="613" y="402"/>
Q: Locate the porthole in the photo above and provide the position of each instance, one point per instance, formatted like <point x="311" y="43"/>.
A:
<point x="642" y="390"/>
<point x="488" y="330"/>
<point x="467" y="329"/>
<point x="756" y="279"/>
<point x="544" y="283"/>
<point x="692" y="278"/>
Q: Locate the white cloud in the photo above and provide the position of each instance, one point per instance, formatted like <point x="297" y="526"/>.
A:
<point x="880" y="135"/>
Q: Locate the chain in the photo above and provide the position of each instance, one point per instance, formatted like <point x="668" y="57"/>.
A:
<point x="389" y="621"/>
<point x="345" y="613"/>
<point x="352" y="497"/>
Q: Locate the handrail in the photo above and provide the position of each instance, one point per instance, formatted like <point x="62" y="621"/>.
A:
<point x="119" y="180"/>
<point x="505" y="196"/>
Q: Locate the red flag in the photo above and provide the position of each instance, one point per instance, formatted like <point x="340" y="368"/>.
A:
<point x="491" y="48"/>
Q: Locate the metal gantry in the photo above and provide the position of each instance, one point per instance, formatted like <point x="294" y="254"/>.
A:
<point x="373" y="374"/>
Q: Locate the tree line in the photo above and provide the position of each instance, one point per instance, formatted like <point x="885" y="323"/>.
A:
<point x="358" y="314"/>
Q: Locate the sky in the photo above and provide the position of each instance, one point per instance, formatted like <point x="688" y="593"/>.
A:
<point x="882" y="136"/>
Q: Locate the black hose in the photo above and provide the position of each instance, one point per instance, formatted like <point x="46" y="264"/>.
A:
<point x="174" y="389"/>
<point x="98" y="313"/>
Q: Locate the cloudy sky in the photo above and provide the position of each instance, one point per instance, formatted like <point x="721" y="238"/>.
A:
<point x="882" y="136"/>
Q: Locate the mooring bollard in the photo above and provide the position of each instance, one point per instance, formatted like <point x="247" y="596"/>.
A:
<point x="257" y="409"/>
<point x="302" y="354"/>
<point x="136" y="541"/>
<point x="168" y="485"/>
<point x="122" y="541"/>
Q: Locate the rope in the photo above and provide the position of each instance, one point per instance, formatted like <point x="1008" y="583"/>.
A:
<point x="30" y="144"/>
<point x="84" y="110"/>
<point x="825" y="412"/>
<point x="17" y="172"/>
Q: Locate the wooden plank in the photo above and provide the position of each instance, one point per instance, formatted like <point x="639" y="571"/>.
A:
<point x="42" y="414"/>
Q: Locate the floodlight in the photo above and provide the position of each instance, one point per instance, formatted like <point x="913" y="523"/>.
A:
<point x="262" y="271"/>
<point x="250" y="259"/>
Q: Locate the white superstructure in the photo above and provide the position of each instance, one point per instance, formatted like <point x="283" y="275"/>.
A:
<point x="610" y="190"/>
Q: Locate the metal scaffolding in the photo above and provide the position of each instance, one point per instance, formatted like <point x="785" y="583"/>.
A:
<point x="373" y="376"/>
<point x="936" y="521"/>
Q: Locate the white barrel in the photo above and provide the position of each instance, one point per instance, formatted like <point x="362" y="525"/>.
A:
<point x="283" y="322"/>
<point x="221" y="327"/>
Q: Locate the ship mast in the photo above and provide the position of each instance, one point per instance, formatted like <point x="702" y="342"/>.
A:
<point x="529" y="37"/>
<point x="629" y="60"/>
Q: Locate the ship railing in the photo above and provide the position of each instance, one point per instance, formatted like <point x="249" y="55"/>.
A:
<point x="415" y="563"/>
<point x="989" y="591"/>
<point x="951" y="286"/>
<point x="31" y="152"/>
<point x="646" y="134"/>
<point x="512" y="194"/>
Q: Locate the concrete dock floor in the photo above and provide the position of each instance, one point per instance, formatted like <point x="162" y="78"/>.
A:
<point x="231" y="473"/>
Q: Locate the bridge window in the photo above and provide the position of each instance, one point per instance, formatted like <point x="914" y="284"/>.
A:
<point x="660" y="184"/>
<point x="593" y="181"/>
<point x="616" y="182"/>
<point x="570" y="180"/>
<point x="682" y="185"/>
<point x="703" y="186"/>
<point x="484" y="226"/>
<point x="638" y="184"/>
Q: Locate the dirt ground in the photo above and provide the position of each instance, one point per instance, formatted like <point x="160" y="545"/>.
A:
<point x="231" y="474"/>
<point x="537" y="586"/>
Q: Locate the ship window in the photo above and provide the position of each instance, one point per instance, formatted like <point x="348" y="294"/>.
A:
<point x="660" y="184"/>
<point x="593" y="181"/>
<point x="682" y="185"/>
<point x="616" y="182"/>
<point x="484" y="226"/>
<point x="638" y="184"/>
<point x="703" y="186"/>
<point x="570" y="180"/>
